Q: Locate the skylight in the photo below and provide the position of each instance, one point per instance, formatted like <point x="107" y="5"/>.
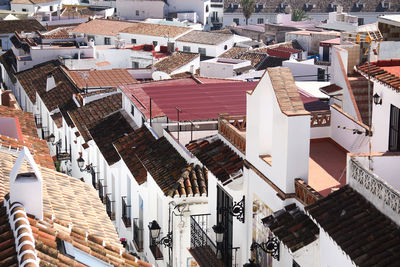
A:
<point x="83" y="257"/>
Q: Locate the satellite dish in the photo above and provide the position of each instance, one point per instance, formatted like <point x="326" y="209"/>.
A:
<point x="160" y="75"/>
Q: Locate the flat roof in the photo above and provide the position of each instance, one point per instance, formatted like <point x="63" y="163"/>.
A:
<point x="327" y="166"/>
<point x="201" y="101"/>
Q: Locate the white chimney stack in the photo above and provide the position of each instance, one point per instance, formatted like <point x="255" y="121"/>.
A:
<point x="51" y="83"/>
<point x="26" y="188"/>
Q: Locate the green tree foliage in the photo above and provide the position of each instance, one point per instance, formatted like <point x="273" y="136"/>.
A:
<point x="248" y="7"/>
<point x="298" y="15"/>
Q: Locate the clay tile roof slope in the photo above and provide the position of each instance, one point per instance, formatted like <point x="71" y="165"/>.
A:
<point x="90" y="114"/>
<point x="30" y="138"/>
<point x="385" y="71"/>
<point x="66" y="198"/>
<point x="294" y="228"/>
<point x="8" y="253"/>
<point x="109" y="130"/>
<point x="329" y="89"/>
<point x="102" y="78"/>
<point x="103" y="27"/>
<point x="26" y="25"/>
<point x="156" y="30"/>
<point x="172" y="173"/>
<point x="175" y="61"/>
<point x="233" y="52"/>
<point x="286" y="92"/>
<point x="218" y="157"/>
<point x="255" y="58"/>
<point x="357" y="226"/>
<point x="8" y="59"/>
<point x="201" y="37"/>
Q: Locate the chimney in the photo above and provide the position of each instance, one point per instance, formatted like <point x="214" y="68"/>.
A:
<point x="26" y="188"/>
<point x="51" y="83"/>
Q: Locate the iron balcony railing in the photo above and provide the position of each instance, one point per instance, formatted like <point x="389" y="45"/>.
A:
<point x="126" y="212"/>
<point x="198" y="232"/>
<point x="63" y="154"/>
<point x="138" y="234"/>
<point x="110" y="207"/>
<point x="101" y="189"/>
<point x="45" y="133"/>
<point x="156" y="248"/>
<point x="38" y="121"/>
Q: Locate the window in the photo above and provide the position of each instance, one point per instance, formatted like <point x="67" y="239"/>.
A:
<point x="78" y="255"/>
<point x="260" y="21"/>
<point x="202" y="51"/>
<point x="186" y="48"/>
<point x="1" y="47"/>
<point x="394" y="144"/>
<point x="133" y="41"/>
<point x="135" y="64"/>
<point x="225" y="47"/>
<point x="236" y="20"/>
<point x="133" y="110"/>
<point x="51" y="8"/>
<point x="360" y="21"/>
<point x="107" y="41"/>
<point x="155" y="43"/>
<point x="137" y="12"/>
<point x="24" y="10"/>
<point x="295" y="264"/>
<point x="207" y="9"/>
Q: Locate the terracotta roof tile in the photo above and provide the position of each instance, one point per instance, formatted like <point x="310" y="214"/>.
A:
<point x="103" y="27"/>
<point x="156" y="29"/>
<point x="109" y="130"/>
<point x="201" y="37"/>
<point x="218" y="157"/>
<point x="141" y="152"/>
<point x="286" y="91"/>
<point x="102" y="78"/>
<point x="294" y="228"/>
<point x="175" y="61"/>
<point x="88" y="115"/>
<point x="329" y="89"/>
<point x="233" y="52"/>
<point x="27" y="25"/>
<point x="357" y="226"/>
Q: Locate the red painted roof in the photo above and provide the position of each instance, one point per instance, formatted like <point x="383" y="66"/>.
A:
<point x="201" y="101"/>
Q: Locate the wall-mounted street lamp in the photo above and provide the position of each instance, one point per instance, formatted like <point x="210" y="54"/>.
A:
<point x="251" y="263"/>
<point x="51" y="140"/>
<point x="81" y="164"/>
<point x="377" y="99"/>
<point x="237" y="210"/>
<point x="219" y="231"/>
<point x="269" y="247"/>
<point x="155" y="229"/>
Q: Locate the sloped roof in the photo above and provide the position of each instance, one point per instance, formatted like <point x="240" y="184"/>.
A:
<point x="366" y="235"/>
<point x="142" y="153"/>
<point x="103" y="27"/>
<point x="26" y="25"/>
<point x="218" y="157"/>
<point x="202" y="37"/>
<point x="101" y="78"/>
<point x="67" y="199"/>
<point x="175" y="61"/>
<point x="156" y="30"/>
<point x="88" y="115"/>
<point x="292" y="226"/>
<point x="233" y="52"/>
<point x="385" y="71"/>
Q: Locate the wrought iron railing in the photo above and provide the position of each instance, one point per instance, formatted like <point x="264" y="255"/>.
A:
<point x="138" y="234"/>
<point x="110" y="207"/>
<point x="126" y="212"/>
<point x="156" y="248"/>
<point x="38" y="121"/>
<point x="198" y="233"/>
<point x="63" y="154"/>
<point x="101" y="190"/>
<point x="45" y="133"/>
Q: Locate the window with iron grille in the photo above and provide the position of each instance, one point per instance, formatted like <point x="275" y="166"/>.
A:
<point x="394" y="144"/>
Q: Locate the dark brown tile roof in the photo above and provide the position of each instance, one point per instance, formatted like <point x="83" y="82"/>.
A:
<point x="30" y="139"/>
<point x="218" y="157"/>
<point x="8" y="254"/>
<point x="90" y="114"/>
<point x="156" y="29"/>
<point x="255" y="58"/>
<point x="201" y="37"/>
<point x="141" y="152"/>
<point x="286" y="91"/>
<point x="329" y="89"/>
<point x="8" y="59"/>
<point x="58" y="33"/>
<point x="385" y="71"/>
<point x="26" y="25"/>
<point x="102" y="78"/>
<point x="320" y="6"/>
<point x="291" y="226"/>
<point x="175" y="61"/>
<point x="34" y="80"/>
<point x="103" y="27"/>
<point x="366" y="235"/>
<point x="233" y="52"/>
<point x="109" y="130"/>
<point x="57" y="118"/>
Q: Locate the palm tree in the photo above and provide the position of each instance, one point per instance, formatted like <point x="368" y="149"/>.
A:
<point x="248" y="8"/>
<point x="299" y="15"/>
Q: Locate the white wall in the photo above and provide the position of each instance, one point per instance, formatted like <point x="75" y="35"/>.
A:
<point x="147" y="9"/>
<point x="304" y="70"/>
<point x="42" y="7"/>
<point x="303" y="39"/>
<point x="198" y="6"/>
<point x="211" y="50"/>
<point x="190" y="66"/>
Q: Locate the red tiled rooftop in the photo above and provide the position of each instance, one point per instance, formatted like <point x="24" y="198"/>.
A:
<point x="327" y="166"/>
<point x="201" y="101"/>
<point x="102" y="78"/>
<point x="334" y="41"/>
<point x="385" y="71"/>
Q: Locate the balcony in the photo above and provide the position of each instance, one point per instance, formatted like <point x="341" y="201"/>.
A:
<point x="202" y="248"/>
<point x="138" y="234"/>
<point x="305" y="193"/>
<point x="101" y="189"/>
<point x="126" y="213"/>
<point x="321" y="118"/>
<point x="45" y="133"/>
<point x="63" y="154"/>
<point x="110" y="207"/>
<point x="155" y="249"/>
<point x="233" y="128"/>
<point x="38" y="121"/>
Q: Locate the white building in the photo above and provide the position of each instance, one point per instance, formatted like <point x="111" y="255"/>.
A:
<point x="224" y="67"/>
<point x="141" y="9"/>
<point x="36" y="6"/>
